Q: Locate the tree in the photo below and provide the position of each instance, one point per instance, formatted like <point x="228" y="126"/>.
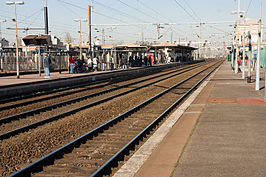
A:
<point x="68" y="38"/>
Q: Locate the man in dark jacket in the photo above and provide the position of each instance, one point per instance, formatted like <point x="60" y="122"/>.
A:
<point x="46" y="65"/>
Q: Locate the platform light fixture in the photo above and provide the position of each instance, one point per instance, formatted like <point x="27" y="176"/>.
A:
<point x="15" y="3"/>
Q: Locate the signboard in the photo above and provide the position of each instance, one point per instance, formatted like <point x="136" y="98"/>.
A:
<point x="37" y="40"/>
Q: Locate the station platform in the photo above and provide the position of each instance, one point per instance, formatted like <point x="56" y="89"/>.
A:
<point x="221" y="131"/>
<point x="30" y="78"/>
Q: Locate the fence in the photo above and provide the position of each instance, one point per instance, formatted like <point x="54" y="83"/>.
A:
<point x="29" y="62"/>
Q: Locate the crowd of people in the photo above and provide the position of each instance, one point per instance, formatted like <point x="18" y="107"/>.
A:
<point x="105" y="62"/>
<point x="77" y="65"/>
<point x="91" y="64"/>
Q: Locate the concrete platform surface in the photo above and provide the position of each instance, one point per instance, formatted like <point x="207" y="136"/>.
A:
<point x="221" y="133"/>
<point x="230" y="137"/>
<point x="29" y="78"/>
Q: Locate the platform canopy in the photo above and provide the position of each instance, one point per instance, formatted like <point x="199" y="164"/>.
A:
<point x="174" y="46"/>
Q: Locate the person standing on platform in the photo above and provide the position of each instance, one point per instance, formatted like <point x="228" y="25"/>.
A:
<point x="89" y="64"/>
<point x="95" y="63"/>
<point x="124" y="62"/>
<point x="149" y="61"/>
<point x="112" y="63"/>
<point x="145" y="60"/>
<point x="46" y="65"/>
<point x="71" y="64"/>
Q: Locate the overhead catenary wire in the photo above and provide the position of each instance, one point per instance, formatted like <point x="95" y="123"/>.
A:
<point x="136" y="9"/>
<point x="158" y="13"/>
<point x="188" y="15"/>
<point x="155" y="11"/>
<point x="79" y="8"/>
<point x="119" y="11"/>
<point x="98" y="13"/>
<point x="185" y="10"/>
<point x="125" y="12"/>
<point x="134" y="17"/>
<point x="85" y="9"/>
<point x="34" y="20"/>
<point x="26" y="19"/>
<point x="247" y="9"/>
<point x="72" y="11"/>
<point x="192" y="10"/>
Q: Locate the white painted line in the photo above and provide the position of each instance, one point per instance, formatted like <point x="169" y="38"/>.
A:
<point x="192" y="112"/>
<point x="131" y="167"/>
<point x="197" y="105"/>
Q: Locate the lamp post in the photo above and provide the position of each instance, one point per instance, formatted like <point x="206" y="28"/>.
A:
<point x="1" y="62"/>
<point x="258" y="56"/>
<point x="237" y="34"/>
<point x="15" y="3"/>
<point x="80" y="45"/>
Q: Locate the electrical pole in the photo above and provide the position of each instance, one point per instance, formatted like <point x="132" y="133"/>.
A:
<point x="236" y="55"/>
<point x="158" y="31"/>
<point x="249" y="58"/>
<point x="200" y="36"/>
<point x="171" y="37"/>
<point x="259" y="48"/>
<point x="112" y="39"/>
<point x="243" y="61"/>
<point x="1" y="62"/>
<point x="103" y="40"/>
<point x="17" y="43"/>
<point x="112" y="28"/>
<point x="46" y="18"/>
<point x="233" y="52"/>
<point x="258" y="56"/>
<point x="80" y="45"/>
<point x="159" y="36"/>
<point x="237" y="38"/>
<point x="89" y="25"/>
<point x="80" y="35"/>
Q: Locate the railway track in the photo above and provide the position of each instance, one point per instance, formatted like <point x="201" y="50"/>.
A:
<point x="52" y="97"/>
<point x="96" y="152"/>
<point x="115" y="77"/>
<point x="53" y="91"/>
<point x="28" y="120"/>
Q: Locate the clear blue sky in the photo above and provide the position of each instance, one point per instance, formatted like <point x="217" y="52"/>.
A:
<point x="62" y="13"/>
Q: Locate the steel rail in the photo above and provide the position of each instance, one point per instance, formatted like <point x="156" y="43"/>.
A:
<point x="62" y="115"/>
<point x="54" y="96"/>
<point x="7" y="100"/>
<point x="49" y="159"/>
<point x="65" y="94"/>
<point x="113" y="160"/>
